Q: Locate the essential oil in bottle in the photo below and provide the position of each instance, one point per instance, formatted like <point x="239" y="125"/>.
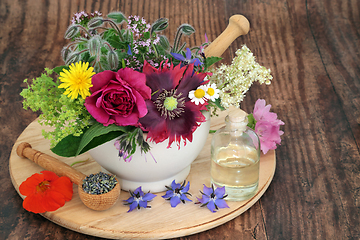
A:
<point x="235" y="156"/>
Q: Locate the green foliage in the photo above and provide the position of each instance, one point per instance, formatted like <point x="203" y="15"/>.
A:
<point x="251" y="121"/>
<point x="210" y="61"/>
<point x="113" y="39"/>
<point x="98" y="130"/>
<point x="117" y="17"/>
<point x="97" y="134"/>
<point x="64" y="115"/>
<point x="68" y="146"/>
<point x="213" y="106"/>
<point x="130" y="139"/>
<point x="60" y="69"/>
<point x="93" y="136"/>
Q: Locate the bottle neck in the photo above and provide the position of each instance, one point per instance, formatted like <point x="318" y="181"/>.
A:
<point x="236" y="124"/>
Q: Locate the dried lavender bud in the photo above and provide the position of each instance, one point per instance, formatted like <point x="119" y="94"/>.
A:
<point x="99" y="183"/>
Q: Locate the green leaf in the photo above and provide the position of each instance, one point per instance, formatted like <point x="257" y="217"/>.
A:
<point x="85" y="57"/>
<point x="108" y="33"/>
<point x="123" y="63"/>
<point x="90" y="140"/>
<point x="67" y="147"/>
<point x="100" y="140"/>
<point x="211" y="60"/>
<point x="218" y="104"/>
<point x="115" y="43"/>
<point x="133" y="145"/>
<point x="113" y="39"/>
<point x="251" y="121"/>
<point x="60" y="69"/>
<point x="146" y="35"/>
<point x="121" y="54"/>
<point x="117" y="17"/>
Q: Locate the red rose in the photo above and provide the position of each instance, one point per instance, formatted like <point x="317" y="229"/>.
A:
<point x="118" y="97"/>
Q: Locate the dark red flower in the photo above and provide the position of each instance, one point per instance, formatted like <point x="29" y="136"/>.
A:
<point x="118" y="97"/>
<point x="45" y="192"/>
<point x="171" y="114"/>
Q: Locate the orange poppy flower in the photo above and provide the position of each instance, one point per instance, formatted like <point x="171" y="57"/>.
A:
<point x="45" y="192"/>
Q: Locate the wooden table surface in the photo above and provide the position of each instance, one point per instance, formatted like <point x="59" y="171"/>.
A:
<point x="312" y="48"/>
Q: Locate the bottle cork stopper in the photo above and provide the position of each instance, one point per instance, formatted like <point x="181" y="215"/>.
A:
<point x="238" y="116"/>
<point x="237" y="119"/>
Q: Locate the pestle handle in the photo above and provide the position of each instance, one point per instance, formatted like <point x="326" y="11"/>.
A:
<point x="49" y="163"/>
<point x="238" y="25"/>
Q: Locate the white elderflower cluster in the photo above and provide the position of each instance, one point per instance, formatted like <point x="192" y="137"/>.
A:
<point x="235" y="80"/>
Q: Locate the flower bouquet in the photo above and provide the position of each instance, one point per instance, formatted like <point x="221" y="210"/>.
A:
<point x="122" y="81"/>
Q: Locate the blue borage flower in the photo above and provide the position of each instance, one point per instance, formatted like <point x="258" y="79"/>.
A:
<point x="212" y="198"/>
<point x="187" y="59"/>
<point x="177" y="193"/>
<point x="138" y="199"/>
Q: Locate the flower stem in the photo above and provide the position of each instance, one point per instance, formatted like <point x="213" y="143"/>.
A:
<point x="155" y="50"/>
<point x="113" y="25"/>
<point x="177" y="40"/>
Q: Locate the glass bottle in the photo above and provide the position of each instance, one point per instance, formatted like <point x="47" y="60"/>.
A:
<point x="235" y="158"/>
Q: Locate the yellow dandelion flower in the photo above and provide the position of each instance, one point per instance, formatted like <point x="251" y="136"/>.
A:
<point x="77" y="80"/>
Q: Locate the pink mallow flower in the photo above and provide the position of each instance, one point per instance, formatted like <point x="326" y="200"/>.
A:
<point x="267" y="126"/>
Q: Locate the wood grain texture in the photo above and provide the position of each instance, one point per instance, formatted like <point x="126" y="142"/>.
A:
<point x="312" y="49"/>
<point x="116" y="222"/>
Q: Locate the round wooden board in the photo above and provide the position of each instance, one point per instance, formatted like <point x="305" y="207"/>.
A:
<point x="161" y="221"/>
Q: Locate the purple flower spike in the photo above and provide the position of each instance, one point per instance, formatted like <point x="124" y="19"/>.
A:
<point x="212" y="198"/>
<point x="177" y="193"/>
<point x="138" y="199"/>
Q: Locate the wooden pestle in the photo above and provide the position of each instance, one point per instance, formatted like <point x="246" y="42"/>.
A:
<point x="96" y="202"/>
<point x="50" y="163"/>
<point x="238" y="25"/>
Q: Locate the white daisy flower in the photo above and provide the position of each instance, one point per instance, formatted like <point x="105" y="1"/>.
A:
<point x="212" y="93"/>
<point x="199" y="95"/>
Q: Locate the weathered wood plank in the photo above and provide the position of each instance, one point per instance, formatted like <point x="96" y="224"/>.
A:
<point x="311" y="48"/>
<point x="315" y="91"/>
